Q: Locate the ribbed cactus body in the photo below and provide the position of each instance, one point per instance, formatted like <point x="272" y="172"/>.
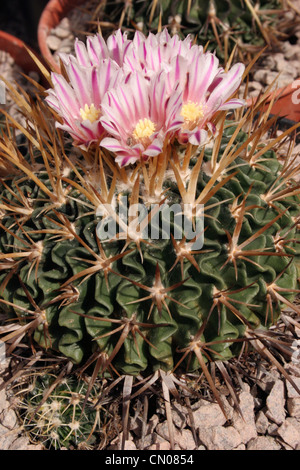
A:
<point x="207" y="295"/>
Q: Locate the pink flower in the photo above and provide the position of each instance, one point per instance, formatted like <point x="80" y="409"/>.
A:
<point x="140" y="117"/>
<point x="157" y="52"/>
<point x="97" y="49"/>
<point x="206" y="90"/>
<point x="78" y="101"/>
<point x="134" y="95"/>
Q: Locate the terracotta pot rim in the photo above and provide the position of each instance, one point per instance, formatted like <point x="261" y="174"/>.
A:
<point x="52" y="14"/>
<point x="55" y="10"/>
<point x="285" y="105"/>
<point x="281" y="92"/>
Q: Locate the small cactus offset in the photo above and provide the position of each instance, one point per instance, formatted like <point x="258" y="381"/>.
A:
<point x="143" y="228"/>
<point x="62" y="418"/>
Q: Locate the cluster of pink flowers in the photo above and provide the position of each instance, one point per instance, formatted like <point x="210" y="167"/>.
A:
<point x="133" y="97"/>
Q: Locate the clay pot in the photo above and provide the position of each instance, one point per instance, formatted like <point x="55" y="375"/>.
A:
<point x="17" y="50"/>
<point x="287" y="101"/>
<point x="52" y="14"/>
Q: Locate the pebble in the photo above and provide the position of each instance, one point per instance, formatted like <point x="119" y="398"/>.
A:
<point x="263" y="443"/>
<point x="275" y="403"/>
<point x="289" y="433"/>
<point x="220" y="438"/>
<point x="209" y="416"/>
<point x="291" y="391"/>
<point x="183" y="438"/>
<point x="293" y="407"/>
<point x="261" y="422"/>
<point x="245" y="424"/>
<point x="63" y="30"/>
<point x="53" y="42"/>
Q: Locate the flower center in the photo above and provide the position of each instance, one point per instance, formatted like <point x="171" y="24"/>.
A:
<point x="90" y="112"/>
<point x="143" y="130"/>
<point x="192" y="112"/>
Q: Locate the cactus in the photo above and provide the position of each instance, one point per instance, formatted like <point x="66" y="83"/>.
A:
<point x="60" y="418"/>
<point x="224" y="24"/>
<point x="135" y="303"/>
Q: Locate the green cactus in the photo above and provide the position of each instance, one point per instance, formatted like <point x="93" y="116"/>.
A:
<point x="62" y="418"/>
<point x="223" y="24"/>
<point x="140" y="304"/>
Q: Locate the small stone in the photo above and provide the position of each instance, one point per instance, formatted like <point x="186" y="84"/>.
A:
<point x="37" y="447"/>
<point x="62" y="32"/>
<point x="3" y="400"/>
<point x="7" y="437"/>
<point x="209" y="416"/>
<point x="291" y="51"/>
<point x="275" y="403"/>
<point x="220" y="438"/>
<point x="53" y="42"/>
<point x="240" y="447"/>
<point x="263" y="443"/>
<point x="146" y="442"/>
<point x="6" y="441"/>
<point x="261" y="422"/>
<point x="267" y="378"/>
<point x="296" y="66"/>
<point x="291" y="391"/>
<point x="68" y="42"/>
<point x="179" y="415"/>
<point x="279" y="62"/>
<point x="162" y="445"/>
<point x="272" y="429"/>
<point x="289" y="433"/>
<point x="254" y="86"/>
<point x="293" y="369"/>
<point x="260" y="76"/>
<point x="269" y="62"/>
<point x="128" y="445"/>
<point x="183" y="438"/>
<point x="65" y="23"/>
<point x="285" y="79"/>
<point x="293" y="406"/>
<point x="245" y="424"/>
<point x="19" y="444"/>
<point x="117" y="443"/>
<point x="271" y="78"/>
<point x="187" y="441"/>
<point x="8" y="418"/>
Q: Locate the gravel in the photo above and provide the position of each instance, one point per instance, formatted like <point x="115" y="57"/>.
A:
<point x="11" y="72"/>
<point x="268" y="421"/>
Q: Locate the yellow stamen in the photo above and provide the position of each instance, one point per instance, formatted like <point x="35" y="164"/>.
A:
<point x="192" y="112"/>
<point x="90" y="112"/>
<point x="143" y="130"/>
